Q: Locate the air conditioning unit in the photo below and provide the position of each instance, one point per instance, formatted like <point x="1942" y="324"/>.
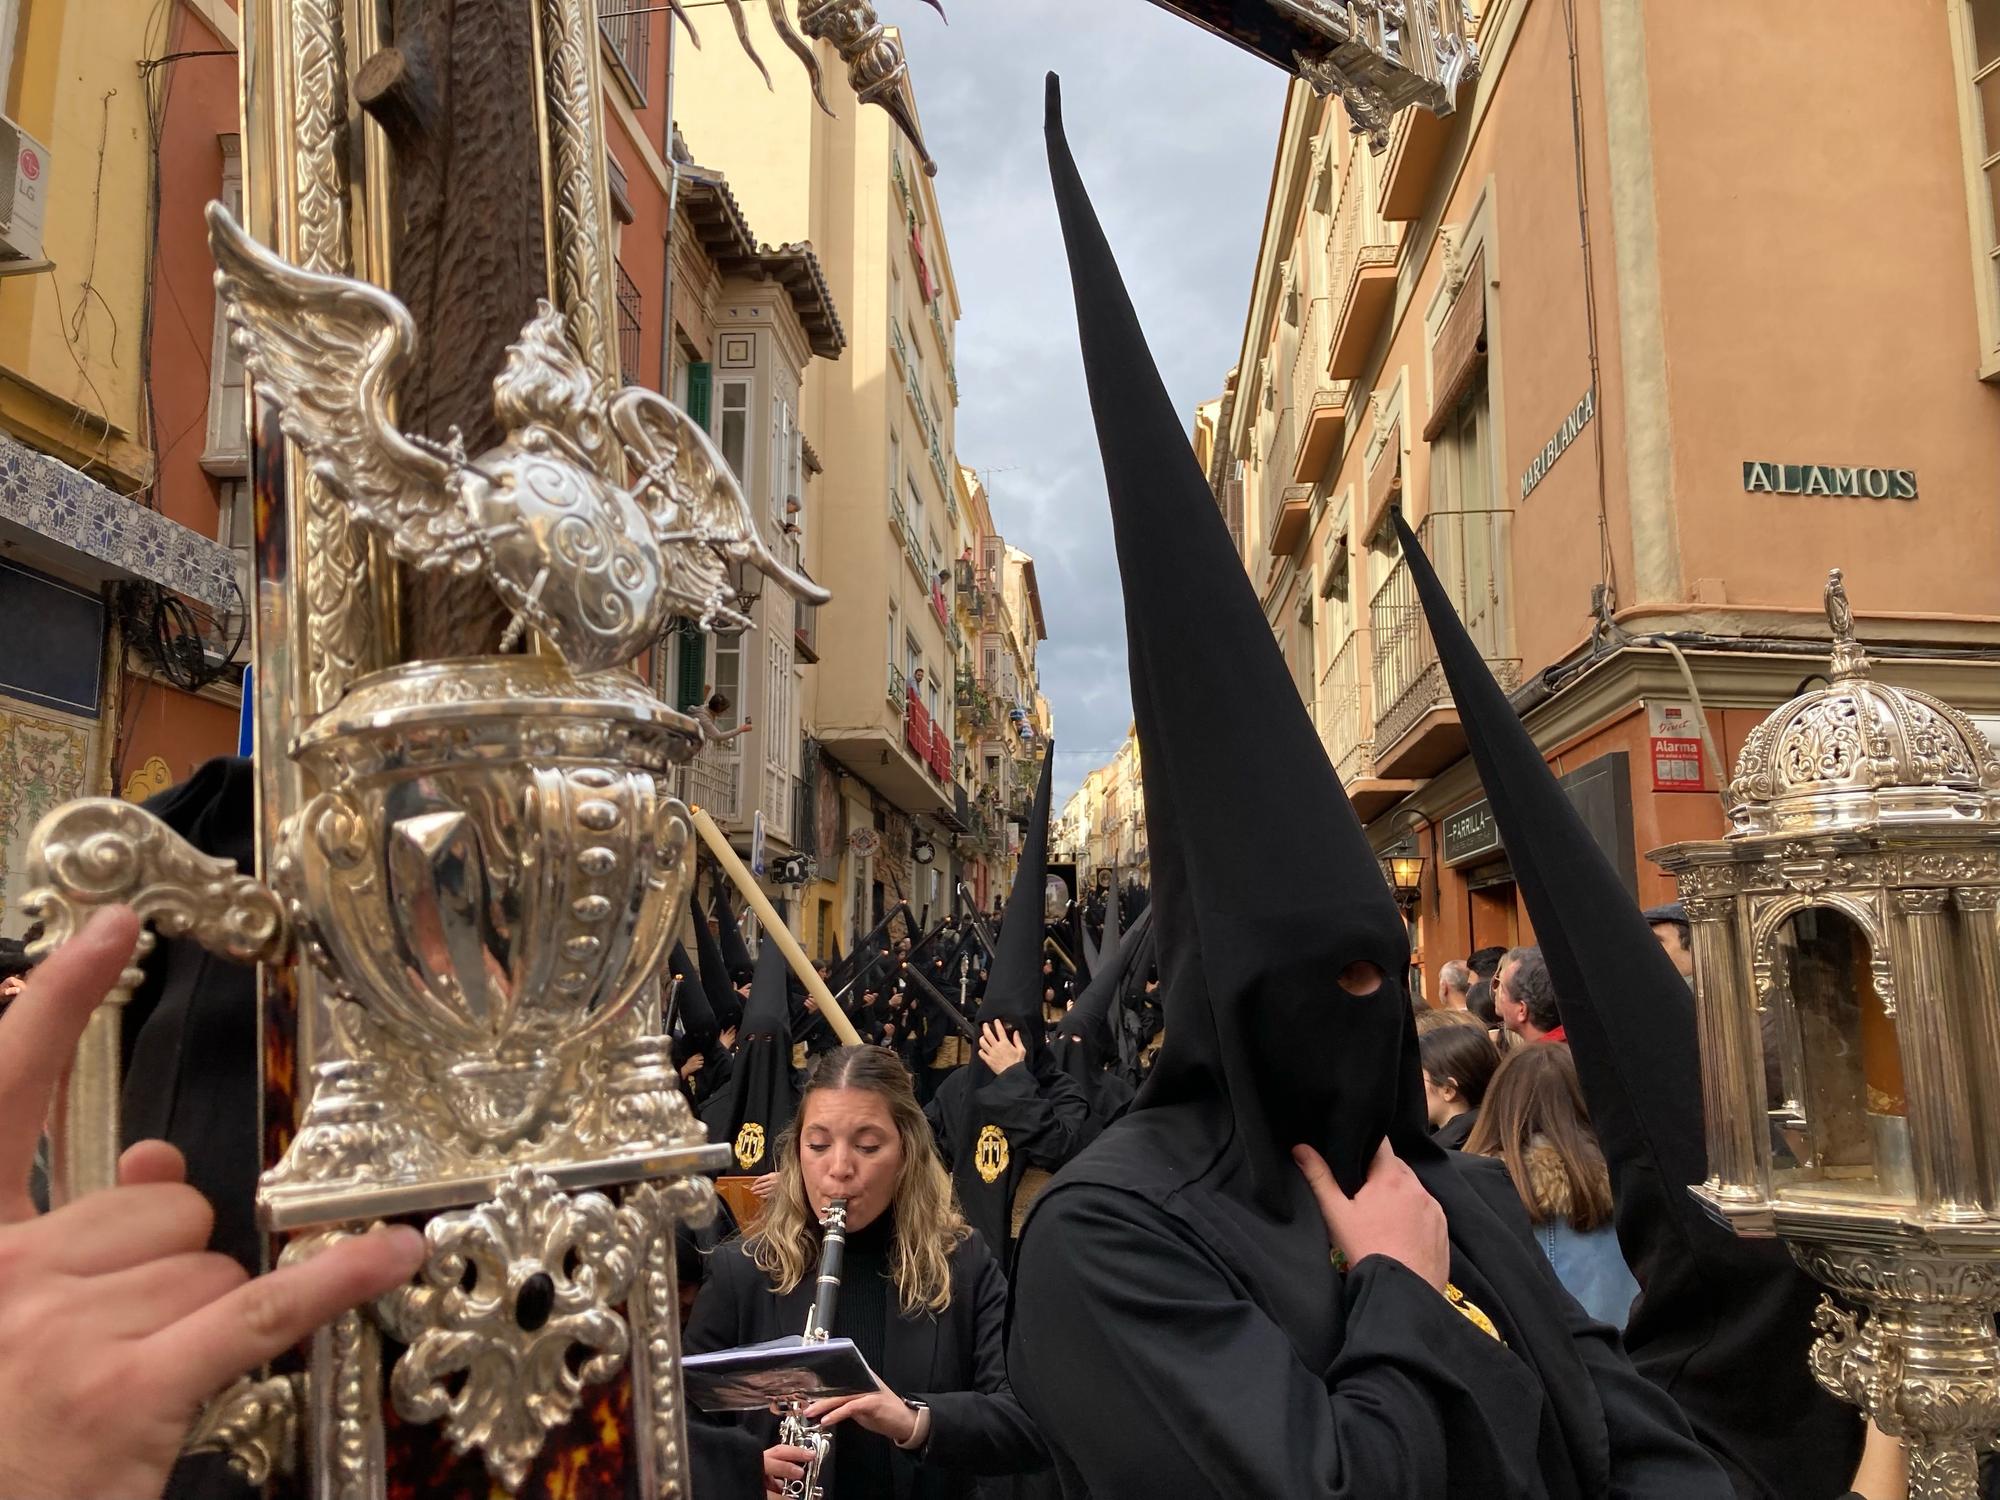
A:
<point x="24" y="195"/>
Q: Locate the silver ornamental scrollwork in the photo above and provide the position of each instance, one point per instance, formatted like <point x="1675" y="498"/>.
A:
<point x="656" y="1304"/>
<point x="489" y="931"/>
<point x="596" y="566"/>
<point x="1924" y="1362"/>
<point x="510" y="1288"/>
<point x="102" y="851"/>
<point x="490" y="881"/>
<point x="256" y="1423"/>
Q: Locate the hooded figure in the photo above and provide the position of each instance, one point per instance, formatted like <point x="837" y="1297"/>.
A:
<point x="1181" y="1324"/>
<point x="994" y="1128"/>
<point x="735" y="953"/>
<point x="715" y="980"/>
<point x="1722" y="1324"/>
<point x="700" y="1032"/>
<point x="1083" y="1046"/>
<point x="763" y="1089"/>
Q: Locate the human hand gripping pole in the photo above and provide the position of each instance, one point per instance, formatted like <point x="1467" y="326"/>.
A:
<point x="116" y="1321"/>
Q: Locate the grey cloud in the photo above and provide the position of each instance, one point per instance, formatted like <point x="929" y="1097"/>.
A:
<point x="1174" y="131"/>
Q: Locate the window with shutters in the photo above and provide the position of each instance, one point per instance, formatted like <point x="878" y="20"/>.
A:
<point x="10" y="29"/>
<point x="1976" y="50"/>
<point x="732" y="432"/>
<point x="1465" y="528"/>
<point x="236" y="529"/>
<point x="779" y="731"/>
<point x="227" y="451"/>
<point x="700" y="383"/>
<point x="688" y="663"/>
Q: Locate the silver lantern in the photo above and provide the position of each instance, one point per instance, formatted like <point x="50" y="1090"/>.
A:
<point x="1847" y="984"/>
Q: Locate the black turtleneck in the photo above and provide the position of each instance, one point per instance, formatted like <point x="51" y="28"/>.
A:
<point x="862" y="1465"/>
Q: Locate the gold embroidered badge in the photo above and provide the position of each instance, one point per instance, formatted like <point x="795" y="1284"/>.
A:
<point x="749" y="1145"/>
<point x="1472" y="1311"/>
<point x="990" y="1155"/>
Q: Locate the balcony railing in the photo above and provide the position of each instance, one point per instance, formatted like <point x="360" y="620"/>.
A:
<point x="1343" y="710"/>
<point x="631" y="38"/>
<point x="1469" y="551"/>
<point x="629" y="304"/>
<point x="1361" y="252"/>
<point x="711" y="781"/>
<point x="898" y="686"/>
<point x="805" y="630"/>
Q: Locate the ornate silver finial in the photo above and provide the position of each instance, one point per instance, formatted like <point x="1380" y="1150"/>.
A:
<point x="1849" y="659"/>
<point x="594" y="565"/>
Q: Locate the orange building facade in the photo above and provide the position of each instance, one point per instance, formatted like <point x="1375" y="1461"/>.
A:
<point x="1653" y="330"/>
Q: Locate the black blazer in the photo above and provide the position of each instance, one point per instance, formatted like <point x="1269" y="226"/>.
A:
<point x="955" y="1362"/>
<point x="1453" y="1134"/>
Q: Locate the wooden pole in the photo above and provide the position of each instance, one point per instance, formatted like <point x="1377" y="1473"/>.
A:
<point x="775" y="929"/>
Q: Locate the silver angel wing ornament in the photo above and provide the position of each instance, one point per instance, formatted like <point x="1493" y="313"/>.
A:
<point x="331" y="352"/>
<point x="700" y="515"/>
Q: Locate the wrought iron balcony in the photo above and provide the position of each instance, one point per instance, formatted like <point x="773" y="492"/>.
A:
<point x="1343" y="719"/>
<point x="1469" y="551"/>
<point x="629" y="346"/>
<point x="712" y="780"/>
<point x="627" y="28"/>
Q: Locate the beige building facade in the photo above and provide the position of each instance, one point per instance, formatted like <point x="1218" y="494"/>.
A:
<point x="1103" y="825"/>
<point x="1641" y="350"/>
<point x="1003" y="721"/>
<point x="877" y="713"/>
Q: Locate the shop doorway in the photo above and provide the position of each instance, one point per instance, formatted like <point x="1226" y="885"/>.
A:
<point x="1490" y="903"/>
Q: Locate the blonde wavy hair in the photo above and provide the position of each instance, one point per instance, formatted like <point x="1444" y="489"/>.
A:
<point x="785" y="1243"/>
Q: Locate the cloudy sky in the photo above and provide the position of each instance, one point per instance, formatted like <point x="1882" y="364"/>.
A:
<point x="1174" y="131"/>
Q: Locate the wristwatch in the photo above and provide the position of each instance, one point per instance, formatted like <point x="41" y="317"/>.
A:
<point x="920" y="1434"/>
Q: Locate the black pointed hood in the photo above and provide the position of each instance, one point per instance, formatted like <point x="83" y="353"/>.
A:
<point x="1722" y="1324"/>
<point x="735" y="952"/>
<point x="1267" y="888"/>
<point x="1014" y="984"/>
<point x="722" y="996"/>
<point x="763" y="1090"/>
<point x="1084" y="1041"/>
<point x="697" y="1015"/>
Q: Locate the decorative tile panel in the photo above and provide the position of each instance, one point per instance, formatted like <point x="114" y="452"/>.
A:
<point x="44" y="762"/>
<point x="106" y="533"/>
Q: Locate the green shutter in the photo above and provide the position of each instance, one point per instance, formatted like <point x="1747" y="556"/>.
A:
<point x="693" y="644"/>
<point x="698" y="388"/>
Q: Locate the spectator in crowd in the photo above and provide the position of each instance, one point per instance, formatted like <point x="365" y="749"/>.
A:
<point x="709" y="719"/>
<point x="1524" y="997"/>
<point x="1454" y="979"/>
<point x="1534" y="1121"/>
<point x="1479" y="1002"/>
<point x="1670" y="926"/>
<point x="1485" y="962"/>
<point x="1458" y="1061"/>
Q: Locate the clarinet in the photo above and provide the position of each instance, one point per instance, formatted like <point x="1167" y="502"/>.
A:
<point x="796" y="1431"/>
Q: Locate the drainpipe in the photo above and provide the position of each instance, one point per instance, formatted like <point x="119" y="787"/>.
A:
<point x="673" y="202"/>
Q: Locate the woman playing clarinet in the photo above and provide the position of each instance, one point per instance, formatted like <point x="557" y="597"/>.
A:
<point x="920" y="1295"/>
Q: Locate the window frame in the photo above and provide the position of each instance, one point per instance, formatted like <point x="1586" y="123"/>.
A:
<point x="723" y="412"/>
<point x="1980" y="161"/>
<point x="226" y="449"/>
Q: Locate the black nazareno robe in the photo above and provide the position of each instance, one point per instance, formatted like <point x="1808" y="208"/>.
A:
<point x="1282" y="1376"/>
<point x="992" y="1132"/>
<point x="1181" y="1325"/>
